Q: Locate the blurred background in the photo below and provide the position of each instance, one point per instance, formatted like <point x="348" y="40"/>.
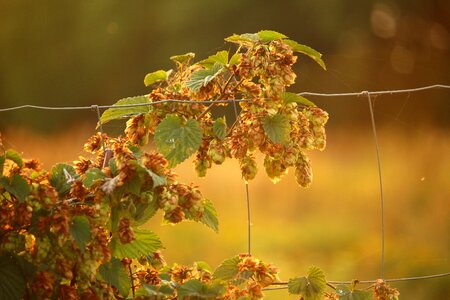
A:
<point x="72" y="53"/>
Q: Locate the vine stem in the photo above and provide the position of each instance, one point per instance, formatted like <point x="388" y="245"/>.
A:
<point x="133" y="288"/>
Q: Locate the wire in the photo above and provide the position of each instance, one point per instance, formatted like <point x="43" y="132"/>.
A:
<point x="362" y="93"/>
<point x="380" y="179"/>
<point x="283" y="285"/>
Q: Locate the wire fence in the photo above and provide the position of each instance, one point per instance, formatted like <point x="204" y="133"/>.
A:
<point x="367" y="94"/>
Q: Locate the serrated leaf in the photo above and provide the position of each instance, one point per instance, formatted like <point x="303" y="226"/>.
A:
<point x="177" y="141"/>
<point x="292" y="97"/>
<point x="201" y="265"/>
<point x="155" y="291"/>
<point x="14" y="156"/>
<point x="146" y="242"/>
<point x="12" y="283"/>
<point x="245" y="39"/>
<point x="227" y="270"/>
<point x="308" y="51"/>
<point x="16" y="185"/>
<point x="183" y="58"/>
<point x="220" y="128"/>
<point x="156" y="76"/>
<point x="146" y="210"/>
<point x="235" y="59"/>
<point x="196" y="289"/>
<point x="310" y="287"/>
<point x="91" y="176"/>
<point x="277" y="128"/>
<point x="220" y="57"/>
<point x="203" y="77"/>
<point x="209" y="217"/>
<point x="61" y="177"/>
<point x="345" y="293"/>
<point x="115" y="274"/>
<point x="266" y="36"/>
<point x="80" y="229"/>
<point x="115" y="113"/>
<point x="157" y="180"/>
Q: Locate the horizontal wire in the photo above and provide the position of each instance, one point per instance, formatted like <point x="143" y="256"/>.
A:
<point x="94" y="107"/>
<point x="367" y="281"/>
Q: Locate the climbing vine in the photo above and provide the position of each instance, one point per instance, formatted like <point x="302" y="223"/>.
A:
<point x="75" y="232"/>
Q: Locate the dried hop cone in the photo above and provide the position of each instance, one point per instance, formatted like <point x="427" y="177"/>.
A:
<point x="303" y="171"/>
<point x="249" y="167"/>
<point x="126" y="233"/>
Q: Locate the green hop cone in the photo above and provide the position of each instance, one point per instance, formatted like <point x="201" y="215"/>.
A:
<point x="248" y="168"/>
<point x="217" y="152"/>
<point x="201" y="166"/>
<point x="275" y="168"/>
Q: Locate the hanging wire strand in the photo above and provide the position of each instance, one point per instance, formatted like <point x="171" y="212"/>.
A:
<point x="363" y="93"/>
<point x="380" y="179"/>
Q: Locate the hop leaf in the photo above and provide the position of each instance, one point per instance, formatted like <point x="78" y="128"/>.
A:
<point x="124" y="112"/>
<point x="156" y="76"/>
<point x="16" y="185"/>
<point x="308" y="51"/>
<point x="266" y="36"/>
<point x="203" y="77"/>
<point x="146" y="242"/>
<point x="81" y="231"/>
<point x="209" y="217"/>
<point x="220" y="57"/>
<point x="227" y="270"/>
<point x="199" y="290"/>
<point x="12" y="283"/>
<point x="114" y="273"/>
<point x="310" y="287"/>
<point x="345" y="293"/>
<point x="292" y="97"/>
<point x="277" y="128"/>
<point x="177" y="141"/>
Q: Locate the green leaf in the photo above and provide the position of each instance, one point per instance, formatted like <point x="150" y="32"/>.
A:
<point x="235" y="59"/>
<point x="196" y="289"/>
<point x="292" y="97"/>
<point x="310" y="287"/>
<point x="227" y="270"/>
<point x="277" y="128"/>
<point x="91" y="176"/>
<point x="209" y="217"/>
<point x="220" y="57"/>
<point x="115" y="274"/>
<point x="61" y="177"/>
<point x="183" y="58"/>
<point x="308" y="51"/>
<point x="203" y="77"/>
<point x="12" y="283"/>
<point x="156" y="76"/>
<point x="266" y="36"/>
<point x="201" y="265"/>
<point x="220" y="128"/>
<point x="245" y="39"/>
<point x="157" y="180"/>
<point x="15" y="157"/>
<point x="80" y="229"/>
<point x="16" y="185"/>
<point x="145" y="210"/>
<point x="146" y="242"/>
<point x="177" y="141"/>
<point x="134" y="185"/>
<point x="155" y="291"/>
<point x="115" y="113"/>
<point x="345" y="293"/>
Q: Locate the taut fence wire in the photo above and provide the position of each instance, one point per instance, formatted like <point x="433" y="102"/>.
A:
<point x="368" y="94"/>
<point x="187" y="101"/>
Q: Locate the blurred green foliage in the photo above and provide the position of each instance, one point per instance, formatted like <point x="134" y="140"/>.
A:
<point x="85" y="52"/>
